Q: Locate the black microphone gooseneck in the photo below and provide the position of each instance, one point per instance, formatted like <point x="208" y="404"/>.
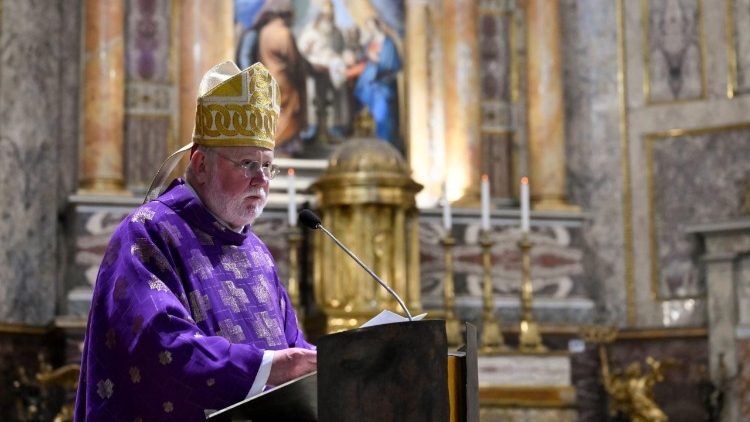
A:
<point x="309" y="219"/>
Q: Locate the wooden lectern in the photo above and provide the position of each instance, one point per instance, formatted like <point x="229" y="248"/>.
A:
<point x="390" y="372"/>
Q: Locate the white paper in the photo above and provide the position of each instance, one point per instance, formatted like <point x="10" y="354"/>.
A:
<point x="388" y="317"/>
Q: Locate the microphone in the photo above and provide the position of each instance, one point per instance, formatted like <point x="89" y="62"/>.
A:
<point x="310" y="220"/>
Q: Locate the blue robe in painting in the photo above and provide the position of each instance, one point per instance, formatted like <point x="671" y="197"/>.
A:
<point x="376" y="88"/>
<point x="183" y="309"/>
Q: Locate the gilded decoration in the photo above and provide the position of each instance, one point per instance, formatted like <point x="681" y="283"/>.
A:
<point x="738" y="46"/>
<point x="627" y="194"/>
<point x="367" y="199"/>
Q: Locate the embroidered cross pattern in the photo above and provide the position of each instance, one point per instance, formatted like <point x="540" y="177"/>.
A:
<point x="171" y="232"/>
<point x="260" y="290"/>
<point x="156" y="284"/>
<point x="267" y="328"/>
<point x="199" y="304"/>
<point x="142" y="215"/>
<point x="146" y="252"/>
<point x="105" y="388"/>
<point x="231" y="332"/>
<point x="233" y="296"/>
<point x="235" y="261"/>
<point x="199" y="264"/>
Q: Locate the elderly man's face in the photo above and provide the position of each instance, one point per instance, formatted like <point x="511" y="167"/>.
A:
<point x="227" y="191"/>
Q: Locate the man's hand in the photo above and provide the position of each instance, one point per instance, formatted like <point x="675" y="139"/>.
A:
<point x="289" y="364"/>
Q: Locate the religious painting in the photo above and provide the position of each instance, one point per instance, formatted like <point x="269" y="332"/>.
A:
<point x="739" y="18"/>
<point x="338" y="64"/>
<point x="674" y="50"/>
<point x="710" y="164"/>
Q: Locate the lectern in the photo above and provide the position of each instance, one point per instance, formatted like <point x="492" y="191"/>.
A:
<point x="390" y="372"/>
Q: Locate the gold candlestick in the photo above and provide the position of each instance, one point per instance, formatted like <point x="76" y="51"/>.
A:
<point x="529" y="339"/>
<point x="449" y="295"/>
<point x="492" y="338"/>
<point x="293" y="237"/>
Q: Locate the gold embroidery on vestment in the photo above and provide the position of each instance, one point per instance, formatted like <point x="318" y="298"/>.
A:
<point x="135" y="375"/>
<point x="233" y="297"/>
<point x="171" y="233"/>
<point x="121" y="287"/>
<point x="260" y="289"/>
<point x="200" y="264"/>
<point x="137" y="323"/>
<point x="210" y="382"/>
<point x="231" y="332"/>
<point x="148" y="252"/>
<point x="110" y="339"/>
<point x="267" y="328"/>
<point x="142" y="215"/>
<point x="199" y="304"/>
<point x="156" y="284"/>
<point x="105" y="388"/>
<point x="165" y="357"/>
<point x="235" y="260"/>
<point x="168" y="407"/>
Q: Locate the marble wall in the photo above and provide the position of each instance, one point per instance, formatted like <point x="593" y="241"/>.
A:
<point x="37" y="104"/>
<point x="594" y="151"/>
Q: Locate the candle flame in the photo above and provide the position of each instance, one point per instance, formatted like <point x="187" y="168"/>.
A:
<point x="525" y="180"/>
<point x="290" y="172"/>
<point x="485" y="177"/>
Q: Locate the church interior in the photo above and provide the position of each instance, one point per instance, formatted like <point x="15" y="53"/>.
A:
<point x="570" y="177"/>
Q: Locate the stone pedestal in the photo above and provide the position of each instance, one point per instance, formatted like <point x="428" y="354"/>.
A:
<point x="529" y="387"/>
<point x="727" y="265"/>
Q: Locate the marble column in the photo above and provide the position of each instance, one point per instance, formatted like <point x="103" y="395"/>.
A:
<point x="420" y="145"/>
<point x="727" y="260"/>
<point x="546" y="114"/>
<point x="461" y="99"/>
<point x="34" y="61"/>
<point x="206" y="39"/>
<point x="103" y="97"/>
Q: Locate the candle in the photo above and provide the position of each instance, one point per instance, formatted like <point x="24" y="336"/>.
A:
<point x="525" y="204"/>
<point x="291" y="191"/>
<point x="447" y="223"/>
<point x="485" y="202"/>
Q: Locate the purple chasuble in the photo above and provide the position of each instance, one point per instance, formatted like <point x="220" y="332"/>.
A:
<point x="183" y="309"/>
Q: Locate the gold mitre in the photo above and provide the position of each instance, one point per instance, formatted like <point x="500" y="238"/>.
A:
<point x="235" y="108"/>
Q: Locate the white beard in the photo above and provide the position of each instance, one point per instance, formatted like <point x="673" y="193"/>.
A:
<point x="232" y="209"/>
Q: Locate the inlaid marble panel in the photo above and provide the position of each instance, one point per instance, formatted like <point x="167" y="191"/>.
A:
<point x="740" y="21"/>
<point x="694" y="179"/>
<point x="674" y="53"/>
<point x="150" y="97"/>
<point x="556" y="260"/>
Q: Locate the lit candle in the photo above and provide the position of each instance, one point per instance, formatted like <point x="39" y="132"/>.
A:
<point x="291" y="191"/>
<point x="525" y="204"/>
<point x="485" y="202"/>
<point x="447" y="223"/>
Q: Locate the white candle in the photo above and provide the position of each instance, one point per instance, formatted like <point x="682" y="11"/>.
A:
<point x="447" y="223"/>
<point x="291" y="191"/>
<point x="485" y="202"/>
<point x="525" y="204"/>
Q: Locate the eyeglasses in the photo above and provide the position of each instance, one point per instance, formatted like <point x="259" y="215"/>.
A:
<point x="250" y="168"/>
